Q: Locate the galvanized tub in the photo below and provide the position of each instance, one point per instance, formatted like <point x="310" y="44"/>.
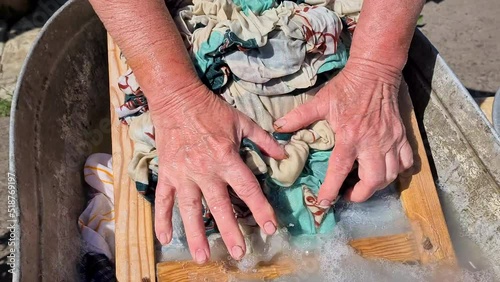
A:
<point x="60" y="115"/>
<point x="465" y="153"/>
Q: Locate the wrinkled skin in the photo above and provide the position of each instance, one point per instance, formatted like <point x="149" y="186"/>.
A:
<point x="198" y="135"/>
<point x="198" y="143"/>
<point x="361" y="105"/>
<point x="199" y="152"/>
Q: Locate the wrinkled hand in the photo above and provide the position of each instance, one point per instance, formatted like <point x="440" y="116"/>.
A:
<point x="361" y="105"/>
<point x="198" y="141"/>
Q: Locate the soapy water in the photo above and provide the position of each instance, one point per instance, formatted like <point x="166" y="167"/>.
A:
<point x="330" y="258"/>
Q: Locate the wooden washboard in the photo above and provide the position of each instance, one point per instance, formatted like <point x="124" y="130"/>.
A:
<point x="429" y="240"/>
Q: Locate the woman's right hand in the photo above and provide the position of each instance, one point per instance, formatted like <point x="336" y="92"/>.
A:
<point x="198" y="137"/>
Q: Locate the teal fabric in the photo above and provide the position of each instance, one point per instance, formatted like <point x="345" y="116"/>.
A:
<point x="335" y="61"/>
<point x="288" y="203"/>
<point x="202" y="61"/>
<point x="208" y="60"/>
<point x="282" y="136"/>
<point x="254" y="6"/>
<point x="214" y="76"/>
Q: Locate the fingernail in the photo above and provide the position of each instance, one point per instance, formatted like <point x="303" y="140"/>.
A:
<point x="286" y="153"/>
<point x="279" y="123"/>
<point x="325" y="204"/>
<point x="200" y="256"/>
<point x="163" y="238"/>
<point x="237" y="252"/>
<point x="270" y="228"/>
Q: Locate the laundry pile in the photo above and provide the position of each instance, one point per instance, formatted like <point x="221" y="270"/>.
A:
<point x="264" y="58"/>
<point x="97" y="222"/>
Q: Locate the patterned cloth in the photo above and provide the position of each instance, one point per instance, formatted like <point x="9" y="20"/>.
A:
<point x="97" y="221"/>
<point x="135" y="101"/>
<point x="295" y="202"/>
<point x="297" y="146"/>
<point x="292" y="49"/>
<point x="286" y="46"/>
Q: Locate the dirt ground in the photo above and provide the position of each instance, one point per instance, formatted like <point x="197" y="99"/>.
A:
<point x="465" y="32"/>
<point x="467" y="35"/>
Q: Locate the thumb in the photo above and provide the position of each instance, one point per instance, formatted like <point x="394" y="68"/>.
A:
<point x="300" y="117"/>
<point x="339" y="166"/>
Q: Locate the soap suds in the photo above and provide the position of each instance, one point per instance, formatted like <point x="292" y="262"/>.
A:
<point x="330" y="258"/>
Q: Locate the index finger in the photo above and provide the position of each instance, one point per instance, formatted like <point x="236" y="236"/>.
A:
<point x="339" y="166"/>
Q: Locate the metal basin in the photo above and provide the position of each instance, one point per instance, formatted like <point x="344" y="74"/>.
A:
<point x="60" y="115"/>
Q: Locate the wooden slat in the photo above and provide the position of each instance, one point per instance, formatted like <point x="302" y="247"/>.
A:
<point x="486" y="105"/>
<point x="134" y="225"/>
<point x="400" y="248"/>
<point x="216" y="271"/>
<point x="419" y="195"/>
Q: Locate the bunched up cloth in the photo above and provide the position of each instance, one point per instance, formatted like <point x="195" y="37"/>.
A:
<point x="264" y="58"/>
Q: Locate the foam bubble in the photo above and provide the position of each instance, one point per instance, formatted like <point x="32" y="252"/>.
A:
<point x="330" y="258"/>
<point x="339" y="262"/>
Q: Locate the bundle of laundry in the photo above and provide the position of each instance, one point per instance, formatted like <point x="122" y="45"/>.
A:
<point x="97" y="221"/>
<point x="264" y="58"/>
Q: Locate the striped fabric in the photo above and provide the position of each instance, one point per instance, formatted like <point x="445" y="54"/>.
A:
<point x="97" y="222"/>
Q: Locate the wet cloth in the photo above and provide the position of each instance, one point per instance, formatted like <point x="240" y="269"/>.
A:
<point x="264" y="58"/>
<point x="294" y="197"/>
<point x="297" y="146"/>
<point x="296" y="206"/>
<point x="97" y="222"/>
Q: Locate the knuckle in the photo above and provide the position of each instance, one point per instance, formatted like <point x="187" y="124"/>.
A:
<point x="228" y="234"/>
<point x="263" y="213"/>
<point x="375" y="183"/>
<point x="189" y="205"/>
<point x="298" y="113"/>
<point x="392" y="176"/>
<point x="406" y="155"/>
<point x="317" y="109"/>
<point x="396" y="134"/>
<point x="163" y="213"/>
<point x="341" y="168"/>
<point x="411" y="162"/>
<point x="163" y="199"/>
<point x="196" y="235"/>
<point x="399" y="130"/>
<point x="219" y="204"/>
<point x="248" y="191"/>
<point x="224" y="149"/>
<point x="265" y="139"/>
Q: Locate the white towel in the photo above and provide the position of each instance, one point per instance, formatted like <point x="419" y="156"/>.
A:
<point x="97" y="222"/>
